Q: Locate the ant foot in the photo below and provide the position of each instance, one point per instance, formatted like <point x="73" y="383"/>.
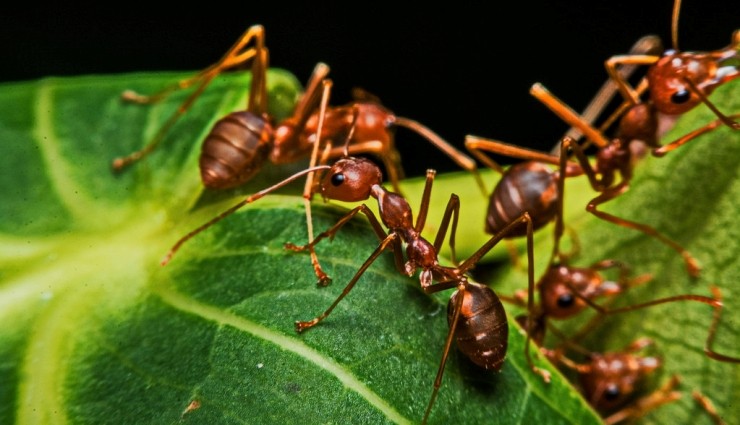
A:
<point x="132" y="96"/>
<point x="293" y="247"/>
<point x="324" y="280"/>
<point x="301" y="326"/>
<point x="118" y="164"/>
<point x="692" y="265"/>
<point x="545" y="375"/>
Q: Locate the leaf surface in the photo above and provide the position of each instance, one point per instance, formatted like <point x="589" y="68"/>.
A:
<point x="96" y="331"/>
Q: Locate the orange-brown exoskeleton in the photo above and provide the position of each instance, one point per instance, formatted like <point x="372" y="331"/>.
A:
<point x="613" y="381"/>
<point x="240" y="143"/>
<point x="477" y="321"/>
<point x="677" y="81"/>
<point x="532" y="185"/>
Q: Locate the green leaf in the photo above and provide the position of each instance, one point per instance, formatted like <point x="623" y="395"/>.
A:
<point x="96" y="331"/>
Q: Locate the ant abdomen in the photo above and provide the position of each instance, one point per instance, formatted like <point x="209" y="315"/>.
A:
<point x="528" y="186"/>
<point x="235" y="150"/>
<point x="482" y="330"/>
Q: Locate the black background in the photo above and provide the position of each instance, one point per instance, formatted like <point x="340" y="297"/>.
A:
<point x="460" y="69"/>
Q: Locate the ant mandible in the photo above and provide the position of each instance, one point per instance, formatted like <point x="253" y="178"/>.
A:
<point x="476" y="317"/>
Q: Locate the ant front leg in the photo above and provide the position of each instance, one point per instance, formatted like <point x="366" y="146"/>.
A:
<point x="375" y="224"/>
<point x="452" y="212"/>
<point x="310" y="186"/>
<point x="706" y="404"/>
<point x="300" y="326"/>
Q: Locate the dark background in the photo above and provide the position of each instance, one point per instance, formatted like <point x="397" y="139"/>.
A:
<point x="459" y="69"/>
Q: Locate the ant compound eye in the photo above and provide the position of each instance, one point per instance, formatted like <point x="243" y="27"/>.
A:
<point x="612" y="392"/>
<point x="565" y="300"/>
<point x="337" y="179"/>
<point x="681" y="96"/>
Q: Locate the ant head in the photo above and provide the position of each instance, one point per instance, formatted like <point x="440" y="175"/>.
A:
<point x="351" y="180"/>
<point x="563" y="289"/>
<point x="677" y="78"/>
<point x="609" y="379"/>
<point x="613" y="378"/>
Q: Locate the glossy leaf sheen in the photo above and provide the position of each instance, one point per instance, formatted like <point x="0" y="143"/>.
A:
<point x="95" y="331"/>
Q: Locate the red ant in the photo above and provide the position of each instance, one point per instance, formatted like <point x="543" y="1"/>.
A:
<point x="240" y="143"/>
<point x="540" y="189"/>
<point x="677" y="82"/>
<point x="565" y="291"/>
<point x="307" y="194"/>
<point x="611" y="380"/>
<point x="475" y="314"/>
<point x="531" y="185"/>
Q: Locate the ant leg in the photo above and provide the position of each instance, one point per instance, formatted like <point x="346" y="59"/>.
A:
<point x="375" y="224"/>
<point x="691" y="264"/>
<point x="726" y="120"/>
<point x="233" y="209"/>
<point x="715" y="302"/>
<point x="567" y="114"/>
<point x="478" y="145"/>
<point x="421" y="216"/>
<point x="446" y="350"/>
<point x="649" y="44"/>
<point x="463" y="161"/>
<point x="611" y="64"/>
<point x="235" y="56"/>
<point x="452" y="211"/>
<point x="308" y="189"/>
<point x="708" y="406"/>
<point x="661" y="151"/>
<point x="713" y="330"/>
<point x="300" y="326"/>
<point x="559" y="226"/>
<point x="663" y="395"/>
